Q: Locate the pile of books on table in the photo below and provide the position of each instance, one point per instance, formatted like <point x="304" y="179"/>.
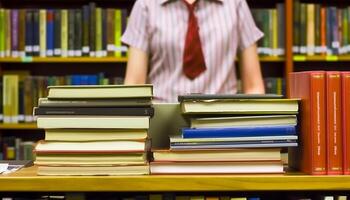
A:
<point x="94" y="130"/>
<point x="230" y="134"/>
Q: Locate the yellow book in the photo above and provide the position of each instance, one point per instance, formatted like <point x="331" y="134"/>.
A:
<point x="310" y="31"/>
<point x="10" y="98"/>
<point x="274" y="32"/>
<point x="64" y="32"/>
<point x="99" y="32"/>
<point x="118" y="33"/>
<point x="42" y="27"/>
<point x="2" y="32"/>
<point x="238" y="198"/>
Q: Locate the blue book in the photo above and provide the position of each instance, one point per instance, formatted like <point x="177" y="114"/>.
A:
<point x="50" y="33"/>
<point x="253" y="198"/>
<point x="29" y="33"/>
<point x="239" y="131"/>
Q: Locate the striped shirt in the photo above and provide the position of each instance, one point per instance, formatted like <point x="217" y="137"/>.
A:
<point x="159" y="28"/>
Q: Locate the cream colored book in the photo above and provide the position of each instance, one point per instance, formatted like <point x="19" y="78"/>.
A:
<point x="241" y="106"/>
<point x="94" y="134"/>
<point x="93" y="170"/>
<point x="91" y="159"/>
<point x="243" y="121"/>
<point x="95" y="122"/>
<point x="100" y="91"/>
<point x="46" y="147"/>
<point x="218" y="155"/>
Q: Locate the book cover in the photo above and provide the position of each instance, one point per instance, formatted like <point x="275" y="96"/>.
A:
<point x="100" y="91"/>
<point x="333" y="123"/>
<point x="105" y="122"/>
<point x="126" y="111"/>
<point x="239" y="131"/>
<point x="310" y="86"/>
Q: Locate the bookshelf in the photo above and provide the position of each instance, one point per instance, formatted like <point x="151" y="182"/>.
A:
<point x="26" y="181"/>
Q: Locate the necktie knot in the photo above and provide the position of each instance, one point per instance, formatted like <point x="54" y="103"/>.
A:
<point x="190" y="6"/>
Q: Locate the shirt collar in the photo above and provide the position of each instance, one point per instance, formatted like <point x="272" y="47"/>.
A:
<point x="166" y="1"/>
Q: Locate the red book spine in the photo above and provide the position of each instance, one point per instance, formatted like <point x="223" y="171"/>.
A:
<point x="334" y="133"/>
<point x="346" y="121"/>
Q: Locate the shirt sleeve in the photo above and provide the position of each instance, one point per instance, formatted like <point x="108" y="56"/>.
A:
<point x="247" y="30"/>
<point x="136" y="33"/>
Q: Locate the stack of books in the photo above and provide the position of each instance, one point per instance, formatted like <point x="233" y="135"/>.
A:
<point x="230" y="134"/>
<point x="94" y="130"/>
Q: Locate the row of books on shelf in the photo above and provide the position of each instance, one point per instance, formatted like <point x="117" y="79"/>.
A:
<point x="87" y="31"/>
<point x="20" y="91"/>
<point x="320" y="29"/>
<point x="324" y="122"/>
<point x="15" y="148"/>
<point x="178" y="196"/>
<point x="272" y="23"/>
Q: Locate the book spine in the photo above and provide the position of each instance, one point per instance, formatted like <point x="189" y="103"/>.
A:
<point x="310" y="34"/>
<point x="36" y="33"/>
<point x="246" y="131"/>
<point x="124" y="24"/>
<point x="98" y="38"/>
<point x="110" y="31"/>
<point x="345" y="121"/>
<point x="2" y="32"/>
<point x="42" y="32"/>
<point x="71" y="34"/>
<point x="14" y="32"/>
<point x="281" y="28"/>
<point x="118" y="32"/>
<point x="333" y="134"/>
<point x="274" y="27"/>
<point x="317" y="136"/>
<point x="323" y="31"/>
<point x="8" y="33"/>
<point x="92" y="32"/>
<point x="86" y="36"/>
<point x="29" y="33"/>
<point x="78" y="33"/>
<point x="50" y="33"/>
<point x="64" y="32"/>
<point x="104" y="32"/>
<point x="334" y="31"/>
<point x="57" y="33"/>
<point x="318" y="29"/>
<point x="296" y="25"/>
<point x="21" y="31"/>
<point x="345" y="32"/>
<point x="303" y="28"/>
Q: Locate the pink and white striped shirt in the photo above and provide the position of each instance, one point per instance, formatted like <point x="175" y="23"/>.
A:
<point x="159" y="28"/>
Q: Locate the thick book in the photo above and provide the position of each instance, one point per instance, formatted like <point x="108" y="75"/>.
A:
<point x="196" y="96"/>
<point x="240" y="106"/>
<point x="333" y="123"/>
<point x="64" y="159"/>
<point x="243" y="121"/>
<point x="94" y="134"/>
<point x="239" y="131"/>
<point x="126" y="111"/>
<point x="100" y="91"/>
<point x="309" y="86"/>
<point x="93" y="170"/>
<point x="216" y="167"/>
<point x="90" y="147"/>
<point x="345" y="94"/>
<point x="100" y="122"/>
<point x="217" y="155"/>
<point x="124" y="102"/>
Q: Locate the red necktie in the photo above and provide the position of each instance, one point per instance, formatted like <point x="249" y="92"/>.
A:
<point x="193" y="60"/>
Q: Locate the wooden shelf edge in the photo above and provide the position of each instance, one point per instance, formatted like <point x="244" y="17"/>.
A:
<point x="26" y="180"/>
<point x="64" y="60"/>
<point x="19" y="126"/>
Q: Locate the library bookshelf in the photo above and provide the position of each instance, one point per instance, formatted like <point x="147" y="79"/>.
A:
<point x="26" y="180"/>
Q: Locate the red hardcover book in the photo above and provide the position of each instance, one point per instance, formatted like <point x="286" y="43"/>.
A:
<point x="345" y="120"/>
<point x="333" y="123"/>
<point x="310" y="156"/>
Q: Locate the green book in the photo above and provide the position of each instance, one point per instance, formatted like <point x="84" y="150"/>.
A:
<point x="118" y="33"/>
<point x="318" y="29"/>
<point x="296" y="26"/>
<point x="345" y="32"/>
<point x="64" y="32"/>
<point x="2" y="32"/>
<point x="98" y="35"/>
<point x="78" y="33"/>
<point x="303" y="28"/>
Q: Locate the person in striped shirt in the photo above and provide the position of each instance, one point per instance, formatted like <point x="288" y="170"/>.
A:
<point x="156" y="34"/>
